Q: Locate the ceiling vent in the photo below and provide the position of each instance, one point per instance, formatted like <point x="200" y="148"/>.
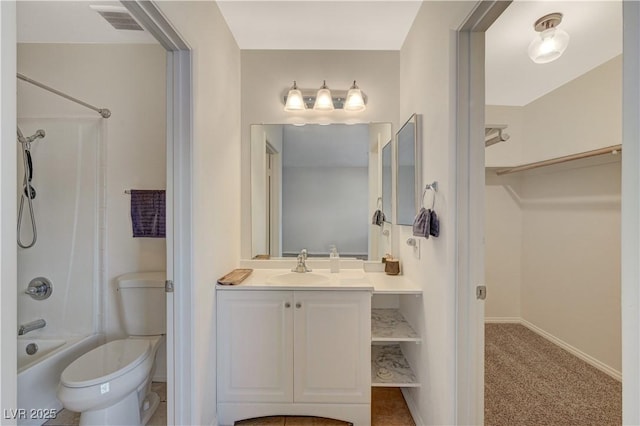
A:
<point x="118" y="17"/>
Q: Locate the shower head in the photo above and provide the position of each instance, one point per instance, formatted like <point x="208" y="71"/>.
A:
<point x="37" y="135"/>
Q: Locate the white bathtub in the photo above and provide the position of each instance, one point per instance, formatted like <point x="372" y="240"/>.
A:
<point x="39" y="374"/>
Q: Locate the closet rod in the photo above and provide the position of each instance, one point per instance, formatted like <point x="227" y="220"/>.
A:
<point x="614" y="149"/>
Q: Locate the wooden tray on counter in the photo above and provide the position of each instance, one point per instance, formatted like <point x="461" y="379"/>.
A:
<point x="235" y="277"/>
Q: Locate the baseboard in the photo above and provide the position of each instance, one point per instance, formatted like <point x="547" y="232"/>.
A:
<point x="413" y="408"/>
<point x="574" y="351"/>
<point x="502" y="320"/>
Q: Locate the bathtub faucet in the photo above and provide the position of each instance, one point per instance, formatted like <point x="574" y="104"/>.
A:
<point x="30" y="326"/>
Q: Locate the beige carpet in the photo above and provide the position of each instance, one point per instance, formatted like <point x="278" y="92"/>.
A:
<point x="531" y="381"/>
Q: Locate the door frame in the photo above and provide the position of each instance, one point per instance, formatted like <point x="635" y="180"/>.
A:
<point x="470" y="180"/>
<point x="179" y="146"/>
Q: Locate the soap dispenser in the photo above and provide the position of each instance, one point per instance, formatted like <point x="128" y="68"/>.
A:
<point x="334" y="260"/>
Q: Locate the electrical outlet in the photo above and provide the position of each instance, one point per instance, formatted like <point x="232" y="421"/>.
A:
<point x="416" y="249"/>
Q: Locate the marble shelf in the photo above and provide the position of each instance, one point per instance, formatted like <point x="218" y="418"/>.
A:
<point x="388" y="325"/>
<point x="391" y="358"/>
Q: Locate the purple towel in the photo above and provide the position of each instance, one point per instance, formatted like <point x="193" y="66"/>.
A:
<point x="148" y="213"/>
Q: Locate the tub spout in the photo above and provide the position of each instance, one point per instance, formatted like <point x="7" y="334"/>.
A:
<point x="30" y="326"/>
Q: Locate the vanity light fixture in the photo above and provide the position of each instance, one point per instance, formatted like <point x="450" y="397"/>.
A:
<point x="296" y="99"/>
<point x="324" y="100"/>
<point x="295" y="102"/>
<point x="354" y="101"/>
<point x="551" y="42"/>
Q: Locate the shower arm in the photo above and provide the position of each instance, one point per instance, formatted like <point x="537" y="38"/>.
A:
<point x="104" y="112"/>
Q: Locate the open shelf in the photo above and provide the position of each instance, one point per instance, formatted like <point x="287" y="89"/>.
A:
<point x="388" y="325"/>
<point x="391" y="358"/>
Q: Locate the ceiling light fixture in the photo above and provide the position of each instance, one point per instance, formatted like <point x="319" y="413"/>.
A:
<point x="296" y="99"/>
<point x="355" y="101"/>
<point x="324" y="100"/>
<point x="551" y="42"/>
<point x="294" y="102"/>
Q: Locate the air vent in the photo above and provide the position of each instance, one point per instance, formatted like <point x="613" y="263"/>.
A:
<point x="118" y="17"/>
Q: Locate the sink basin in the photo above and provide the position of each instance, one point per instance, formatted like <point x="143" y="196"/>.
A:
<point x="298" y="278"/>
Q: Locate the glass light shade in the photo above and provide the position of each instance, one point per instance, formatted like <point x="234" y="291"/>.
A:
<point x="295" y="102"/>
<point x="355" y="101"/>
<point x="324" y="100"/>
<point x="548" y="45"/>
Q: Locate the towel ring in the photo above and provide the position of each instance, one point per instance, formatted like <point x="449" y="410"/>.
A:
<point x="430" y="187"/>
<point x="379" y="203"/>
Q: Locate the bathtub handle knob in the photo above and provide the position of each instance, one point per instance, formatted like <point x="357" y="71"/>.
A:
<point x="39" y="288"/>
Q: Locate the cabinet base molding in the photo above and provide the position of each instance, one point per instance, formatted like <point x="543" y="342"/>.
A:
<point x="230" y="412"/>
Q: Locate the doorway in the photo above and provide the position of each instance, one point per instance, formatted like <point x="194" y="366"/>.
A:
<point x="469" y="173"/>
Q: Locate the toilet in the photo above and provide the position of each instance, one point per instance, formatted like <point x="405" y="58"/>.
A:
<point x="111" y="385"/>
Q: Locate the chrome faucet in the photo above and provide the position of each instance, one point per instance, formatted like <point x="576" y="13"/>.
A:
<point x="302" y="263"/>
<point x="30" y="326"/>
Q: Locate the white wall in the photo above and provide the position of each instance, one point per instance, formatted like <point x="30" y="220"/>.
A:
<point x="216" y="179"/>
<point x="66" y="169"/>
<point x="267" y="75"/>
<point x="571" y="258"/>
<point x="553" y="235"/>
<point x="130" y="80"/>
<point x="582" y="115"/>
<point x="427" y="87"/>
<point x="503" y="247"/>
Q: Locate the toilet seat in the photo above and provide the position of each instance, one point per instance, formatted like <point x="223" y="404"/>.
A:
<point x="106" y="363"/>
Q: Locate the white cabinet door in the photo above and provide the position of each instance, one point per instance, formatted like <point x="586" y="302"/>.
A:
<point x="332" y="350"/>
<point x="255" y="347"/>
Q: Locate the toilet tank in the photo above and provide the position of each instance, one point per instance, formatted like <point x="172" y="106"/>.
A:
<point x="142" y="303"/>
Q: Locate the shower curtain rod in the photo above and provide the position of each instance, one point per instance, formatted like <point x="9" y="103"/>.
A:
<point x="104" y="112"/>
<point x="614" y="149"/>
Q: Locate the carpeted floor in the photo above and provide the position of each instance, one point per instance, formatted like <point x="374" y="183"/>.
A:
<point x="531" y="381"/>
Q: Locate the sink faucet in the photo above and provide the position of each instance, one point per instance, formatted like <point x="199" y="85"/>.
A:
<point x="302" y="263"/>
<point x="30" y="326"/>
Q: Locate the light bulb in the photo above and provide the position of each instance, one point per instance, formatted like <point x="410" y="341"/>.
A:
<point x="295" y="102"/>
<point x="548" y="46"/>
<point x="355" y="101"/>
<point x="324" y="100"/>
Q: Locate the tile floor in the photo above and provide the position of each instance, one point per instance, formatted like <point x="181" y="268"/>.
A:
<point x="159" y="418"/>
<point x="388" y="408"/>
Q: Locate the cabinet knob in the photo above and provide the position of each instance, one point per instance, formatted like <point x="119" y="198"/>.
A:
<point x="298" y="305"/>
<point x="287" y="305"/>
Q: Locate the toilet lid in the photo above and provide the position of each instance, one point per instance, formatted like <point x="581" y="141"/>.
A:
<point x="106" y="363"/>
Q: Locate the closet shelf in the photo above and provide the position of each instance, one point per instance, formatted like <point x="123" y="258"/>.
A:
<point x="613" y="149"/>
<point x="389" y="368"/>
<point x="388" y="325"/>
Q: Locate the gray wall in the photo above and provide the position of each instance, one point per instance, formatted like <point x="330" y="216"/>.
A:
<point x="325" y="189"/>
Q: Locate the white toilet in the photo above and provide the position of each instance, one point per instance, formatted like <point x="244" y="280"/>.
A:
<point x="111" y="385"/>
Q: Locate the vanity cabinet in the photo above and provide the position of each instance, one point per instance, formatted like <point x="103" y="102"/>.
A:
<point x="293" y="352"/>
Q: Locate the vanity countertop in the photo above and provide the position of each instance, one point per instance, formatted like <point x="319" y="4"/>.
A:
<point x="346" y="279"/>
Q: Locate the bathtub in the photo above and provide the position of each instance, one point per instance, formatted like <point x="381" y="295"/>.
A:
<point x="39" y="374"/>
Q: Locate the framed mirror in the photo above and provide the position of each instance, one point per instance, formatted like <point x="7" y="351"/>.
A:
<point x="408" y="169"/>
<point x="314" y="186"/>
<point x="387" y="170"/>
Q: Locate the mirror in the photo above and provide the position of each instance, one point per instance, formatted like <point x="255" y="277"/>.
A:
<point x="409" y="170"/>
<point x="314" y="186"/>
<point x="386" y="181"/>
